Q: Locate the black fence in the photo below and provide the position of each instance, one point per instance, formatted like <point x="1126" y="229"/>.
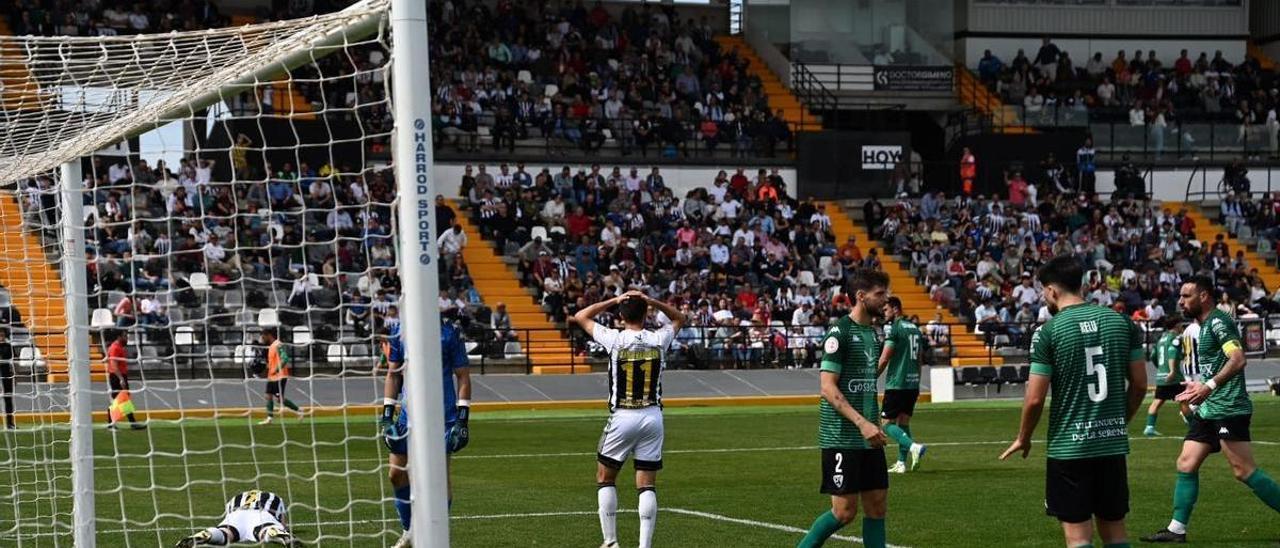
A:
<point x="200" y="350"/>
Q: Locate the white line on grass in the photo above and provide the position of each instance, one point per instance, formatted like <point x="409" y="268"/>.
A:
<point x="9" y="464"/>
<point x="680" y="511"/>
<point x="761" y="524"/>
<point x="332" y="524"/>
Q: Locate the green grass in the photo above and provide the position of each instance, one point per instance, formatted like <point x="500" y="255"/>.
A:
<point x="753" y="464"/>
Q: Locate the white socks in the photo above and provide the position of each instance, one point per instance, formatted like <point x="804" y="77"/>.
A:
<point x="216" y="537"/>
<point x="648" y="516"/>
<point x="1178" y="527"/>
<point x="607" y="506"/>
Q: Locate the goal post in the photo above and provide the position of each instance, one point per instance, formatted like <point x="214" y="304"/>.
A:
<point x="419" y="253"/>
<point x="298" y="184"/>
<point x="81" y="405"/>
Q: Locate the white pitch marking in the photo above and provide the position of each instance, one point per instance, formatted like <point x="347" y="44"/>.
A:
<point x="28" y="464"/>
<point x="746" y="382"/>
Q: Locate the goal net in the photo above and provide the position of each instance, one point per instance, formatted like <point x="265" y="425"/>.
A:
<point x="223" y="184"/>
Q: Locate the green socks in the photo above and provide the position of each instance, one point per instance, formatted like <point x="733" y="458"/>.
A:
<point x="1151" y="421"/>
<point x="1265" y="488"/>
<point x="1185" y="492"/>
<point x="873" y="532"/>
<point x="291" y="405"/>
<point x="271" y="407"/>
<point x="822" y="529"/>
<point x="904" y="451"/>
<point x="1116" y="545"/>
<point x="901" y="436"/>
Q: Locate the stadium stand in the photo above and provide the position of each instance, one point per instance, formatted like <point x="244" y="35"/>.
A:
<point x="1050" y="88"/>
<point x="644" y="77"/>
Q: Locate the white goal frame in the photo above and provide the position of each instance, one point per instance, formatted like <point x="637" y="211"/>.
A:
<point x="418" y="256"/>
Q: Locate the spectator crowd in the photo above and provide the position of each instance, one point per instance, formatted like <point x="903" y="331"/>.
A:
<point x="1140" y="89"/>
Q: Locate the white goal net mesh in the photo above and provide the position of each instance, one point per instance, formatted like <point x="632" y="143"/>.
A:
<point x="236" y="181"/>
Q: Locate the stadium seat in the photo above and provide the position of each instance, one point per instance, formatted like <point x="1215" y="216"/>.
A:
<point x="557" y="230"/>
<point x="1024" y="374"/>
<point x="524" y="76"/>
<point x="806" y="278"/>
<point x="301" y="335"/>
<point x="185" y="335"/>
<point x="102" y="319"/>
<point x="243" y="354"/>
<point x="28" y="357"/>
<point x="199" y="281"/>
<point x="1009" y="374"/>
<point x="969" y="375"/>
<point x="538" y="232"/>
<point x="234" y="299"/>
<point x="268" y="317"/>
<point x="551" y="90"/>
<point x="988" y="375"/>
<point x="336" y="353"/>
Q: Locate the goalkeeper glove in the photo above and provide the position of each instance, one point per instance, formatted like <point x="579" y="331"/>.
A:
<point x="387" y="420"/>
<point x="460" y="433"/>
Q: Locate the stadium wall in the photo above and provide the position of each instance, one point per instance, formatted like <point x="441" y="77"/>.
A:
<point x="679" y="179"/>
<point x="1170" y="184"/>
<point x="1134" y="22"/>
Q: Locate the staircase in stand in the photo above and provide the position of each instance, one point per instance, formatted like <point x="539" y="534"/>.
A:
<point x="1206" y="230"/>
<point x="548" y="348"/>
<point x="968" y="348"/>
<point x="797" y="115"/>
<point x="974" y="94"/>
<point x="36" y="292"/>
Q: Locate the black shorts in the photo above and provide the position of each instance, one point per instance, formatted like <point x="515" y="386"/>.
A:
<point x="899" y="402"/>
<point x="848" y="471"/>
<point x="1213" y="431"/>
<point x="1168" y="392"/>
<point x="117" y="383"/>
<point x="1076" y="490"/>
<point x="276" y="387"/>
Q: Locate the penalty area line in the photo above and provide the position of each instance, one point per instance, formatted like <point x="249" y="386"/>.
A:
<point x="678" y="511"/>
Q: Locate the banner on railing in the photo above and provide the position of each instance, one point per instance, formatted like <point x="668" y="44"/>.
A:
<point x="906" y="78"/>
<point x="1254" y="335"/>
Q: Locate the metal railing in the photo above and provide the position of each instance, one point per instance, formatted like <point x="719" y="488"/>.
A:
<point x="1203" y="186"/>
<point x="810" y="89"/>
<point x="1189" y="139"/>
<point x="619" y="136"/>
<point x="200" y="350"/>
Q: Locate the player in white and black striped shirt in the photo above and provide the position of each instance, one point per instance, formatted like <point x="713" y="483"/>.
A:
<point x="252" y="517"/>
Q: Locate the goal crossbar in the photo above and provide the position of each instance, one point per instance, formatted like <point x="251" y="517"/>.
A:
<point x="53" y="107"/>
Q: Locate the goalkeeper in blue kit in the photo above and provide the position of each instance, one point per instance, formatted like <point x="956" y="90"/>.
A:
<point x="395" y="426"/>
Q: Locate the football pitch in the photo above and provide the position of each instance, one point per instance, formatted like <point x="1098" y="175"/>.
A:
<point x="733" y="476"/>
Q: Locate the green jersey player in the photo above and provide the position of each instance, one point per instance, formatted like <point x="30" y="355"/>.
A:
<point x="1220" y="410"/>
<point x="1086" y="353"/>
<point x="903" y="343"/>
<point x="1166" y="354"/>
<point x="852" y="443"/>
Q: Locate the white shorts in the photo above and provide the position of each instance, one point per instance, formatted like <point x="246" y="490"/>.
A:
<point x="633" y="431"/>
<point x="248" y="523"/>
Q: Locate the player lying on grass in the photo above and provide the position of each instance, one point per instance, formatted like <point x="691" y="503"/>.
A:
<point x="252" y="517"/>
